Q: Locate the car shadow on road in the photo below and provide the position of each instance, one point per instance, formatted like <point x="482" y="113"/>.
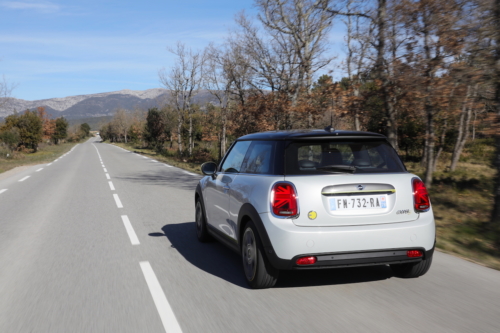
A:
<point x="216" y="259"/>
<point x="178" y="180"/>
<point x="212" y="257"/>
<point x="334" y="276"/>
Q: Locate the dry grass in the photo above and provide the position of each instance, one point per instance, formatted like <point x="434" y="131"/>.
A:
<point x="462" y="202"/>
<point x="192" y="167"/>
<point x="45" y="153"/>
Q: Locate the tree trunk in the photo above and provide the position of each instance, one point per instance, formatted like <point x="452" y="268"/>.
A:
<point x="357" y="125"/>
<point x="392" y="131"/>
<point x="430" y="146"/>
<point x="495" y="216"/>
<point x="190" y="134"/>
<point x="441" y="144"/>
<point x="179" y="134"/>
<point x="463" y="128"/>
<point x="423" y="163"/>
<point x="223" y="137"/>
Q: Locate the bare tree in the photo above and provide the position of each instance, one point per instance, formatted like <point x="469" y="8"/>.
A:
<point x="357" y="44"/>
<point x="437" y="23"/>
<point x="184" y="81"/>
<point x="219" y="82"/>
<point x="271" y="59"/>
<point x="463" y="126"/>
<point x="305" y="23"/>
<point x="5" y="93"/>
<point x="495" y="25"/>
<point x="121" y="122"/>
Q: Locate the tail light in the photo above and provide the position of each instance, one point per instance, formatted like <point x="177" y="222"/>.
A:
<point x="306" y="261"/>
<point x="421" y="199"/>
<point x="414" y="253"/>
<point x="284" y="200"/>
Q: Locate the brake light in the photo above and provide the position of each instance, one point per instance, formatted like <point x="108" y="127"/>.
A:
<point x="414" y="253"/>
<point x="420" y="196"/>
<point x="306" y="261"/>
<point x="284" y="200"/>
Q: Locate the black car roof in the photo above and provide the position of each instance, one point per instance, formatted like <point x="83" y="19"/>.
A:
<point x="308" y="134"/>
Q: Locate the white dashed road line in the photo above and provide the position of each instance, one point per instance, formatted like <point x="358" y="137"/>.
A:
<point x="117" y="200"/>
<point x="167" y="316"/>
<point x="23" y="179"/>
<point x="105" y="170"/>
<point x="39" y="170"/>
<point x="107" y="176"/>
<point x="111" y="186"/>
<point x="130" y="230"/>
<point x="49" y="164"/>
<point x="189" y="173"/>
<point x="1" y="191"/>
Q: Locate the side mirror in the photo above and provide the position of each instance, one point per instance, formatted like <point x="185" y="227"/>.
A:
<point x="208" y="168"/>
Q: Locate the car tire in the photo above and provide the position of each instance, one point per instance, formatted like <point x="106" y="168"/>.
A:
<point x="409" y="271"/>
<point x="201" y="224"/>
<point x="259" y="273"/>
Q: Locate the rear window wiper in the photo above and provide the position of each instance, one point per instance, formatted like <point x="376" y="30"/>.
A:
<point x="338" y="168"/>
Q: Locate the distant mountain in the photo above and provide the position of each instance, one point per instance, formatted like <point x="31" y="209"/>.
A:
<point x="98" y="105"/>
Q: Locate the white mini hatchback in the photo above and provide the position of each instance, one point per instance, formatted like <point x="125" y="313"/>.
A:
<point x="313" y="199"/>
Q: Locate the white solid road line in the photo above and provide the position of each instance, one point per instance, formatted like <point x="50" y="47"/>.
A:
<point x="39" y="170"/>
<point x="107" y="176"/>
<point x="130" y="230"/>
<point x="1" y="191"/>
<point x="167" y="316"/>
<point x="23" y="179"/>
<point x="111" y="186"/>
<point x="167" y="165"/>
<point x="117" y="200"/>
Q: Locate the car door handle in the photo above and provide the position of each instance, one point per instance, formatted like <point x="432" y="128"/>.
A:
<point x="226" y="187"/>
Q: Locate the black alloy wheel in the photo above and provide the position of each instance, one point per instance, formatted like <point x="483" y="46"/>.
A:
<point x="258" y="271"/>
<point x="201" y="225"/>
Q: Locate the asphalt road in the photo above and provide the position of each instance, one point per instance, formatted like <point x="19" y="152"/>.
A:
<point x="78" y="254"/>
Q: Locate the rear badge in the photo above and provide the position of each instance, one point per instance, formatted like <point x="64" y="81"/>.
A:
<point x="312" y="215"/>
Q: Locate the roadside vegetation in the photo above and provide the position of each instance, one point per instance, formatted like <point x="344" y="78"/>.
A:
<point x="462" y="202"/>
<point x="32" y="137"/>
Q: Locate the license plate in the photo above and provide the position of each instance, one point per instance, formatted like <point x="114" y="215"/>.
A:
<point x="358" y="202"/>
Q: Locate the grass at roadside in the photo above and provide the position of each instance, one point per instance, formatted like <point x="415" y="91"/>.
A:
<point x="462" y="201"/>
<point x="45" y="154"/>
<point x="192" y="167"/>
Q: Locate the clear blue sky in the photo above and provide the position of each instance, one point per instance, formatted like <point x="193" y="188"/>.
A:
<point x="63" y="48"/>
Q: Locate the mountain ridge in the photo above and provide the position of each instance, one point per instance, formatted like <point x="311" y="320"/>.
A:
<point x="100" y="104"/>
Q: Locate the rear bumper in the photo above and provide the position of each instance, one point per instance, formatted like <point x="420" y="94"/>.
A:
<point x="356" y="259"/>
<point x="348" y="245"/>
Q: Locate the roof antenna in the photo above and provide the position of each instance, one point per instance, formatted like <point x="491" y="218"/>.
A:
<point x="331" y="115"/>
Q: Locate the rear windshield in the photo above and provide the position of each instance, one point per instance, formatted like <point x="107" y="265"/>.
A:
<point x="335" y="156"/>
